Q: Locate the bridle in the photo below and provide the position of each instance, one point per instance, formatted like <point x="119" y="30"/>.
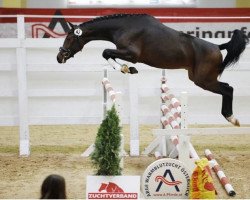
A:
<point x="67" y="53"/>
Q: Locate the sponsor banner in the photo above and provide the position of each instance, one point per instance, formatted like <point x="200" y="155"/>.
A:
<point x="178" y="14"/>
<point x="201" y="30"/>
<point x="113" y="187"/>
<point x="202" y="23"/>
<point x="166" y="179"/>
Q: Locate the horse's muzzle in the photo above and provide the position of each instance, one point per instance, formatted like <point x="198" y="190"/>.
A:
<point x="63" y="55"/>
<point x="61" y="58"/>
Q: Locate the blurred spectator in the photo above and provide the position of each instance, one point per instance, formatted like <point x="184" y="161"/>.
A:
<point x="53" y="187"/>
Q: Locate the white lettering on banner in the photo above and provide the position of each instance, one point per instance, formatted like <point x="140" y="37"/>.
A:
<point x="112" y="196"/>
<point x="113" y="187"/>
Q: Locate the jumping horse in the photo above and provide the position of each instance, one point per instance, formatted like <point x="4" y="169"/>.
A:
<point x="142" y="38"/>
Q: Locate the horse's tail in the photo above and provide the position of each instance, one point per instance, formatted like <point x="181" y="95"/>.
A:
<point x="234" y="48"/>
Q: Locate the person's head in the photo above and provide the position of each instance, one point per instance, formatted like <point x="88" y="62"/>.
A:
<point x="53" y="187"/>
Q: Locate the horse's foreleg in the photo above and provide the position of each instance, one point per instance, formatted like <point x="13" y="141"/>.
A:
<point x="114" y="64"/>
<point x="111" y="54"/>
<point x="121" y="67"/>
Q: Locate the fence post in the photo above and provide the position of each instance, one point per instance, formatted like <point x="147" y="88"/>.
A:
<point x="184" y="100"/>
<point x="133" y="115"/>
<point x="105" y="101"/>
<point x="24" y="140"/>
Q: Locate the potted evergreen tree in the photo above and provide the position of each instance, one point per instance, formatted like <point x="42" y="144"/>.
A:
<point x="108" y="182"/>
<point x="106" y="156"/>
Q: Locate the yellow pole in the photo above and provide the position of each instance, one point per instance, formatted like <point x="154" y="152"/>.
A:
<point x="242" y="3"/>
<point x="14" y="3"/>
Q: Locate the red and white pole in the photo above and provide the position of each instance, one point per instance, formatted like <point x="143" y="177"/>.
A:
<point x="223" y="179"/>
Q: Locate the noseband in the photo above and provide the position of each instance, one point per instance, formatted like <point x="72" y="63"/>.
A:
<point x="67" y="52"/>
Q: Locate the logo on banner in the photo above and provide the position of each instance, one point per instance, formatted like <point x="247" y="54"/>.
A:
<point x="163" y="179"/>
<point x="166" y="178"/>
<point x="111" y="191"/>
<point x="110" y="188"/>
<point x="49" y="31"/>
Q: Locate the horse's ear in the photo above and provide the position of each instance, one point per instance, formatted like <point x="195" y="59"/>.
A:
<point x="71" y="25"/>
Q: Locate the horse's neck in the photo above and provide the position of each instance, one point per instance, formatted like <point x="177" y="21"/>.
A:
<point x="101" y="31"/>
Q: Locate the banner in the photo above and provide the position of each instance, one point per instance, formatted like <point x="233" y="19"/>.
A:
<point x="113" y="187"/>
<point x="202" y="22"/>
<point x="166" y="179"/>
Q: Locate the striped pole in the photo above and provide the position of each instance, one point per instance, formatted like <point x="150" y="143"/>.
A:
<point x="109" y="89"/>
<point x="164" y="109"/>
<point x="172" y="121"/>
<point x="167" y="96"/>
<point x="176" y="103"/>
<point x="169" y="121"/>
<point x="173" y="109"/>
<point x="165" y="123"/>
<point x="164" y="87"/>
<point x="223" y="179"/>
<point x="172" y="104"/>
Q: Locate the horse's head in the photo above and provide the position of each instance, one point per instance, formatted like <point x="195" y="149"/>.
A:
<point x="73" y="43"/>
<point x="103" y="187"/>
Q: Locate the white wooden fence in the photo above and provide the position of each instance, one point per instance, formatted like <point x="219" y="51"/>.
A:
<point x="35" y="89"/>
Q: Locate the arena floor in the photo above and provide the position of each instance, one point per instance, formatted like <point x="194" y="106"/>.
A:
<point x="57" y="149"/>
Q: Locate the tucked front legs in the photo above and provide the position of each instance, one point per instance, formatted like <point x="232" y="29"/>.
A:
<point x="111" y="54"/>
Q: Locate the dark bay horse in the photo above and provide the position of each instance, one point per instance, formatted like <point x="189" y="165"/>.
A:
<point x="142" y="38"/>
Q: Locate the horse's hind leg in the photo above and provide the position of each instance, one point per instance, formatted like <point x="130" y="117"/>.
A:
<point x="227" y="103"/>
<point x="227" y="97"/>
<point x="111" y="54"/>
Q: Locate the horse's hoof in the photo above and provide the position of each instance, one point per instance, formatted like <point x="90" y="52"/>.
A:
<point x="125" y="69"/>
<point x="133" y="70"/>
<point x="233" y="120"/>
<point x="237" y="123"/>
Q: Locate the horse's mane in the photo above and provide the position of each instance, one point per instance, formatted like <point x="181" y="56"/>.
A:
<point x="114" y="16"/>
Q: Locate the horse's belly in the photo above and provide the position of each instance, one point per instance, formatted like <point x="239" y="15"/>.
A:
<point x="166" y="61"/>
